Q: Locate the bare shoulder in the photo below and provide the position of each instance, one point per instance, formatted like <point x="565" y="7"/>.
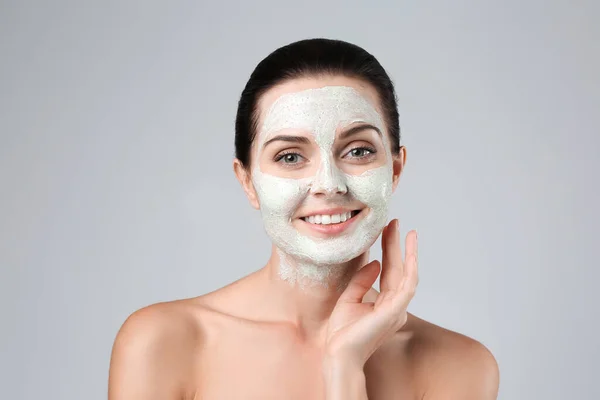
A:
<point x="450" y="365"/>
<point x="151" y="355"/>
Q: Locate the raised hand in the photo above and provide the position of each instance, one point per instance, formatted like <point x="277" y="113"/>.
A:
<point x="357" y="329"/>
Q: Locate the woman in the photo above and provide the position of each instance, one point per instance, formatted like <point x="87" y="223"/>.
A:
<point x="318" y="153"/>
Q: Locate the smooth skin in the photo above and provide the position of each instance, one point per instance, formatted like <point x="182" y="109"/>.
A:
<point x="357" y="328"/>
<point x="261" y="338"/>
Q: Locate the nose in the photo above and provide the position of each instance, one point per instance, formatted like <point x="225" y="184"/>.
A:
<point x="329" y="180"/>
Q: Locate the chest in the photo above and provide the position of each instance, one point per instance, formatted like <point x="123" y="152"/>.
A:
<point x="279" y="369"/>
<point x="259" y="367"/>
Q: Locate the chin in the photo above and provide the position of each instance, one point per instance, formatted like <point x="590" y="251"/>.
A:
<point x="330" y="252"/>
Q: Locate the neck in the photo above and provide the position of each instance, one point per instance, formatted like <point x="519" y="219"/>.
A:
<point x="304" y="293"/>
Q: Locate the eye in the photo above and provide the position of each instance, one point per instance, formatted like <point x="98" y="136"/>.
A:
<point x="289" y="158"/>
<point x="361" y="152"/>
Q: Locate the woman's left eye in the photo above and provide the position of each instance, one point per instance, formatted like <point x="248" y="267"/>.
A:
<point x="361" y="152"/>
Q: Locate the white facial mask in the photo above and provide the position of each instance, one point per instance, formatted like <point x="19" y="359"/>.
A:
<point x="321" y="111"/>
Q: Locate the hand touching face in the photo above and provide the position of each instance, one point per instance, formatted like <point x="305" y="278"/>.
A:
<point x="357" y="329"/>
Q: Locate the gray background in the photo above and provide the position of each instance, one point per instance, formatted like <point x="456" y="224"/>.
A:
<point x="116" y="124"/>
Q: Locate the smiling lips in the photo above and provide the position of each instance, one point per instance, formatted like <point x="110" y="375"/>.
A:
<point x="330" y="224"/>
<point x="327" y="219"/>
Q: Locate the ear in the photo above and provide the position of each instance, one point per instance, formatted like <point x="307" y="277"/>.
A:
<point x="244" y="178"/>
<point x="399" y="161"/>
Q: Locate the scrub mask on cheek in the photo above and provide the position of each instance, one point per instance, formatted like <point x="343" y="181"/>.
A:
<point x="321" y="111"/>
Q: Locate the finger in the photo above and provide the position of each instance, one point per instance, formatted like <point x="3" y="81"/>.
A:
<point x="383" y="234"/>
<point x="360" y="283"/>
<point x="411" y="245"/>
<point x="392" y="264"/>
<point x="384" y="270"/>
<point x="411" y="279"/>
<point x="409" y="282"/>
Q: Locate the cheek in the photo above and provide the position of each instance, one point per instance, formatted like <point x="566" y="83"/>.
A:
<point x="279" y="196"/>
<point x="373" y="188"/>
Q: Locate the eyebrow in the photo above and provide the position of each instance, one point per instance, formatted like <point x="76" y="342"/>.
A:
<point x="304" y="140"/>
<point x="355" y="129"/>
<point x="287" y="138"/>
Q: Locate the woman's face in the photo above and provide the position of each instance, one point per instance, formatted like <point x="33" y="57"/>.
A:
<point x="322" y="168"/>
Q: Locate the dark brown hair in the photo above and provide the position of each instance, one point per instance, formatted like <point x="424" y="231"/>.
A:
<point x="305" y="58"/>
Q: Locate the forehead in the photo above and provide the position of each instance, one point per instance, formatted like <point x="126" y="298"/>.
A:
<point x="318" y="103"/>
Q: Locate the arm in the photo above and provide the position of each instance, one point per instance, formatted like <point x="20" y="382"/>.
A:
<point x="343" y="380"/>
<point x="149" y="356"/>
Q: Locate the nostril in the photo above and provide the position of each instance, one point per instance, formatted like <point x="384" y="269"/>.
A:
<point x="328" y="185"/>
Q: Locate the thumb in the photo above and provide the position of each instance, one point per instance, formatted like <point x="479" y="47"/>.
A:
<point x="360" y="283"/>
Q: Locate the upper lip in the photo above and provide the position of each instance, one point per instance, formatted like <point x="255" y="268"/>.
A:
<point x="329" y="211"/>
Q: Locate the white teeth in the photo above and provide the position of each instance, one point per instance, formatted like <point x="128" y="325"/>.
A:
<point x="328" y="219"/>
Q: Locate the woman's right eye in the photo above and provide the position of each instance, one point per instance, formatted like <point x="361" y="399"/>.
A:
<point x="288" y="158"/>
